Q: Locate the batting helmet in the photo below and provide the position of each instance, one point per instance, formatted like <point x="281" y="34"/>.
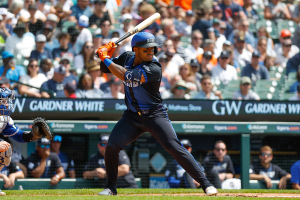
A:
<point x="144" y="40"/>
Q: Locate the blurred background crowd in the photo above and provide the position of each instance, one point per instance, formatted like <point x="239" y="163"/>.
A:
<point x="209" y="49"/>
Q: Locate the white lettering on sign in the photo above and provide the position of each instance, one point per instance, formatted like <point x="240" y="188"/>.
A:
<point x="226" y="106"/>
<point x="294" y="108"/>
<point x="190" y="107"/>
<point x="265" y="108"/>
<point x="120" y="106"/>
<point x="19" y="105"/>
<point x="51" y="105"/>
<point x="91" y="106"/>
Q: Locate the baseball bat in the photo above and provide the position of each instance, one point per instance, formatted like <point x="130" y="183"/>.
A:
<point x="140" y="27"/>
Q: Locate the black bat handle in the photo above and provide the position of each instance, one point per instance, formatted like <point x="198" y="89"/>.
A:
<point x="123" y="38"/>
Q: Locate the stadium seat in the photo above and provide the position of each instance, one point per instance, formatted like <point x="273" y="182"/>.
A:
<point x="271" y="28"/>
<point x="228" y="94"/>
<point x="261" y="13"/>
<point x="286" y="96"/>
<point x="252" y="27"/>
<point x="185" y="39"/>
<point x="292" y="76"/>
<point x="287" y="24"/>
<point x="118" y="25"/>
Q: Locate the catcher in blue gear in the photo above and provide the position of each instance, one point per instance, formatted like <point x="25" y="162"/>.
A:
<point x="8" y="129"/>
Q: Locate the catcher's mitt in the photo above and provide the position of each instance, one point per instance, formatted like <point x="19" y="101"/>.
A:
<point x="40" y="128"/>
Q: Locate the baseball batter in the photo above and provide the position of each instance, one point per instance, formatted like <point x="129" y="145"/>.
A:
<point x="141" y="75"/>
<point x="8" y="129"/>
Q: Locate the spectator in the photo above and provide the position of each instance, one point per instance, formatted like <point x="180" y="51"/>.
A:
<point x="146" y="11"/>
<point x="295" y="172"/>
<point x="100" y="14"/>
<point x="66" y="62"/>
<point x="35" y="24"/>
<point x="10" y="70"/>
<point x="56" y="83"/>
<point x="262" y="48"/>
<point x="66" y="162"/>
<point x="20" y="43"/>
<point x="250" y="11"/>
<point x="9" y="174"/>
<point x="168" y="28"/>
<point x="33" y="78"/>
<point x="70" y="90"/>
<point x="269" y="62"/>
<point x="195" y="66"/>
<point x="285" y="35"/>
<point x="4" y="33"/>
<point x="93" y="68"/>
<point x="105" y="28"/>
<point x="226" y="26"/>
<point x="4" y="82"/>
<point x="296" y="97"/>
<point x="220" y="39"/>
<point x="229" y="8"/>
<point x="263" y="32"/>
<point x="85" y="34"/>
<point x="51" y="43"/>
<point x="245" y="92"/>
<point x="254" y="70"/>
<point x="86" y="55"/>
<point x="15" y="7"/>
<point x="115" y="88"/>
<point x="44" y="164"/>
<point x="207" y="92"/>
<point x="46" y="68"/>
<point x="97" y="39"/>
<point x="180" y="91"/>
<point x="293" y="88"/>
<point x="74" y="44"/>
<point x="51" y="28"/>
<point x="85" y="88"/>
<point x="27" y="14"/>
<point x="205" y="65"/>
<point x="67" y="4"/>
<point x="176" y="175"/>
<point x="223" y="71"/>
<point x="81" y="8"/>
<point x="178" y="47"/>
<point x="64" y="40"/>
<point x="240" y="53"/>
<point x="194" y="49"/>
<point x="186" y="25"/>
<point x="202" y="23"/>
<point x="95" y="168"/>
<point x="209" y="45"/>
<point x="282" y="59"/>
<point x="243" y="26"/>
<point x="60" y="12"/>
<point x="165" y="85"/>
<point x="186" y="73"/>
<point x="40" y="52"/>
<point x="267" y="171"/>
<point x="127" y="25"/>
<point x="276" y="10"/>
<point x="7" y="29"/>
<point x="174" y="62"/>
<point x="218" y="165"/>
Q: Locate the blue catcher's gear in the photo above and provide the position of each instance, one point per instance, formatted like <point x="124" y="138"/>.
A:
<point x="144" y="40"/>
<point x="6" y="103"/>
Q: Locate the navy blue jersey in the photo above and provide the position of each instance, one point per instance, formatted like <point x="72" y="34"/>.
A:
<point x="66" y="162"/>
<point x="274" y="172"/>
<point x="147" y="94"/>
<point x="211" y="162"/>
<point x="11" y="168"/>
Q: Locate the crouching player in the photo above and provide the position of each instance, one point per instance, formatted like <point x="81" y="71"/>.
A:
<point x="8" y="129"/>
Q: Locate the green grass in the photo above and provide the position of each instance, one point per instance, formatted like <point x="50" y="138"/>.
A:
<point x="81" y="194"/>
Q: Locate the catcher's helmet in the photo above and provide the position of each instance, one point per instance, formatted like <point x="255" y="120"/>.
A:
<point x="144" y="40"/>
<point x="6" y="103"/>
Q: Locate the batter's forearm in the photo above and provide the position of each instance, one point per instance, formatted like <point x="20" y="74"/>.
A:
<point x="117" y="70"/>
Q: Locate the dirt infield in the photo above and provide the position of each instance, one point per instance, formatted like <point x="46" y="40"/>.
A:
<point x="260" y="195"/>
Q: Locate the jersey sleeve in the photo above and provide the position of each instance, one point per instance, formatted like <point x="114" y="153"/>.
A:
<point x="119" y="60"/>
<point x="152" y="72"/>
<point x="123" y="158"/>
<point x="279" y="171"/>
<point x="13" y="167"/>
<point x="30" y="165"/>
<point x="71" y="165"/>
<point x="230" y="168"/>
<point x="56" y="160"/>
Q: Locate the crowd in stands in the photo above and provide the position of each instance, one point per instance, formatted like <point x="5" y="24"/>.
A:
<point x="206" y="48"/>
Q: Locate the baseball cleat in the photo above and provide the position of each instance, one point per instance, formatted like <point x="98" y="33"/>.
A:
<point x="106" y="192"/>
<point x="211" y="191"/>
<point x="2" y="193"/>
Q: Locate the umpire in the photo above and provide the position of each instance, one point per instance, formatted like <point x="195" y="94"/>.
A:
<point x="141" y="74"/>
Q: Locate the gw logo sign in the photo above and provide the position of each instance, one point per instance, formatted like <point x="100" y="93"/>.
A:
<point x="221" y="107"/>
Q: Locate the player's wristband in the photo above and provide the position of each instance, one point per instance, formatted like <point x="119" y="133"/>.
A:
<point x="107" y="62"/>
